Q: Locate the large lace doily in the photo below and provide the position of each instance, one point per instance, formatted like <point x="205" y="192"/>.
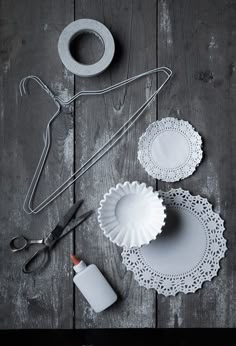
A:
<point x="170" y="149"/>
<point x="186" y="253"/>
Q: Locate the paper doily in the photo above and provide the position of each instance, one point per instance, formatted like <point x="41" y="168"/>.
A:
<point x="170" y="149"/>
<point x="186" y="253"/>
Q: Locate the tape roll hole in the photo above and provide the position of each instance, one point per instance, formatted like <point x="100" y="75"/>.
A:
<point x="87" y="47"/>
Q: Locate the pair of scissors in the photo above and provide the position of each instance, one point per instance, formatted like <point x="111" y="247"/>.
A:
<point x="62" y="229"/>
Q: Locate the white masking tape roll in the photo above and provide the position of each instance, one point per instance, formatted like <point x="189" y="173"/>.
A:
<point x="76" y="28"/>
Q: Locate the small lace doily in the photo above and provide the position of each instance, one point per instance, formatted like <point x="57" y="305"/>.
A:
<point x="186" y="253"/>
<point x="170" y="149"/>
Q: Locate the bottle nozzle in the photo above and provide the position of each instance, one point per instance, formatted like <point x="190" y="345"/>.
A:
<point x="74" y="259"/>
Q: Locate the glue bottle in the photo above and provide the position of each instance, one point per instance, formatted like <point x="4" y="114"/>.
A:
<point x="93" y="285"/>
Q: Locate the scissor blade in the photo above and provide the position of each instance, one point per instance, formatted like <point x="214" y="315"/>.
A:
<point x="71" y="226"/>
<point x="65" y="220"/>
<point x="78" y="221"/>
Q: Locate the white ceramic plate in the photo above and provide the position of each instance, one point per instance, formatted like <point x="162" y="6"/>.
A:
<point x="170" y="149"/>
<point x="131" y="214"/>
<point x="188" y="250"/>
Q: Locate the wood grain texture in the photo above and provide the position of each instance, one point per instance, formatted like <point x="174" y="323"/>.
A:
<point x="29" y="31"/>
<point x="197" y="40"/>
<point x="133" y="25"/>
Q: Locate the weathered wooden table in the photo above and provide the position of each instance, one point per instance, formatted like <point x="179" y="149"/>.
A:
<point x="197" y="39"/>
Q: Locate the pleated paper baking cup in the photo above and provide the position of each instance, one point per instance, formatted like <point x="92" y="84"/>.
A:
<point x="131" y="214"/>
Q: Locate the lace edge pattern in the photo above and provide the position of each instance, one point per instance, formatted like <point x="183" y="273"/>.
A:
<point x="205" y="270"/>
<point x="177" y="173"/>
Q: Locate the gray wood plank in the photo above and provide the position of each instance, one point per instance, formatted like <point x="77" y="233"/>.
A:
<point x="133" y="25"/>
<point x="197" y="39"/>
<point x="29" y="31"/>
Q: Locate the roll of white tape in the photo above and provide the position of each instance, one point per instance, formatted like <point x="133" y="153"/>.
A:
<point x="86" y="26"/>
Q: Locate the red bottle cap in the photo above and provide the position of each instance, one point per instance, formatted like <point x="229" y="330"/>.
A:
<point x="74" y="260"/>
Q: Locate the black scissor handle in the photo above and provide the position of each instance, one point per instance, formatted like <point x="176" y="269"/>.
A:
<point x="18" y="243"/>
<point x="39" y="257"/>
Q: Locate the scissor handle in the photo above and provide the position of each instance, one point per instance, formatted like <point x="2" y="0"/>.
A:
<point x="40" y="257"/>
<point x="18" y="243"/>
<point x="21" y="242"/>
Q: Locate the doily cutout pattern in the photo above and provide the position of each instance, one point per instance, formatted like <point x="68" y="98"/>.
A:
<point x="208" y="266"/>
<point x="181" y="171"/>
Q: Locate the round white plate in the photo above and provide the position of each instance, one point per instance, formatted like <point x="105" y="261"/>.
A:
<point x="188" y="250"/>
<point x="131" y="214"/>
<point x="170" y="149"/>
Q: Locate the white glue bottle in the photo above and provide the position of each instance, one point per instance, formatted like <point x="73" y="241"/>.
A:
<point x="93" y="285"/>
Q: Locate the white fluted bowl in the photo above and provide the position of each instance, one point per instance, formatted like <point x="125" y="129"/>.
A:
<point x="131" y="214"/>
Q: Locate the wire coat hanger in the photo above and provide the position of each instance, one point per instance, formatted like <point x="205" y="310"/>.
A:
<point x="28" y="202"/>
